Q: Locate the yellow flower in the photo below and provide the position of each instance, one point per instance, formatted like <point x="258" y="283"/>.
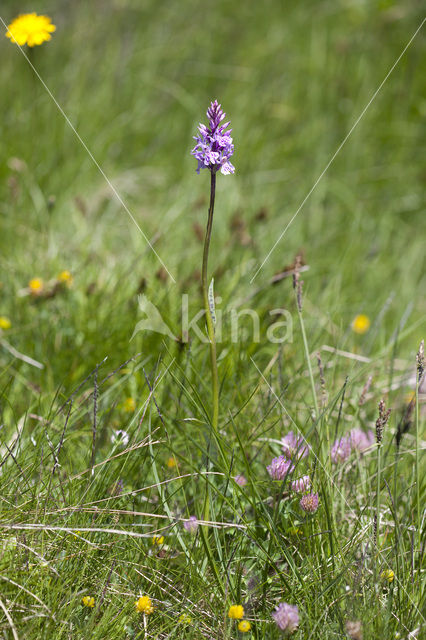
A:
<point x="361" y="324"/>
<point x="30" y="29"/>
<point x="244" y="626"/>
<point x="236" y="612"/>
<point x="35" y="285"/>
<point x="185" y="619"/>
<point x="88" y="601"/>
<point x="410" y="397"/>
<point x="171" y="462"/>
<point x="5" y="323"/>
<point x="144" y="605"/>
<point x="129" y="405"/>
<point x="157" y="540"/>
<point x="65" y="277"/>
<point x="388" y="575"/>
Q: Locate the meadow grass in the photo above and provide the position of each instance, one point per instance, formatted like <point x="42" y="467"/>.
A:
<point x="79" y="511"/>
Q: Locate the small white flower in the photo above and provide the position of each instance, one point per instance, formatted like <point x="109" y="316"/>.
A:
<point x="120" y="437"/>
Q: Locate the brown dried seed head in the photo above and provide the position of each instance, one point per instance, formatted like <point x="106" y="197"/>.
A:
<point x="382" y="420"/>
<point x="365" y="390"/>
<point x="420" y="359"/>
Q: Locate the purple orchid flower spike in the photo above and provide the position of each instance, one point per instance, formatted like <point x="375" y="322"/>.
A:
<point x="213" y="149"/>
<point x="214" y="144"/>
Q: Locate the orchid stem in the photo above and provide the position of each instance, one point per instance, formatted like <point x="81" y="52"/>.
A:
<point x="209" y="316"/>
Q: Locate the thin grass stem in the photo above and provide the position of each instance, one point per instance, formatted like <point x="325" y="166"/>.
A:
<point x="418" y="465"/>
<point x="308" y="359"/>
<point x="379" y="463"/>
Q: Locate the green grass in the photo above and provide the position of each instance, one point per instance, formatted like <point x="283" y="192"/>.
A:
<point x="134" y="78"/>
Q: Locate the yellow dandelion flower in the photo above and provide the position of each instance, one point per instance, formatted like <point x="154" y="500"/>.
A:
<point x="388" y="575"/>
<point x="361" y="324"/>
<point x="171" y="462"/>
<point x="185" y="619"/>
<point x="159" y="540"/>
<point x="144" y="605"/>
<point x="236" y="612"/>
<point x="88" y="601"/>
<point x="35" y="286"/>
<point x="244" y="626"/>
<point x="5" y="323"/>
<point x="129" y="405"/>
<point x="30" y="29"/>
<point x="65" y="277"/>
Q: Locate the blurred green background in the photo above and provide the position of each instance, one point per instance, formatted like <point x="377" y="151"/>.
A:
<point x="135" y="78"/>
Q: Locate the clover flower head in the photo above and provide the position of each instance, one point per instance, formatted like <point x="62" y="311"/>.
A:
<point x="30" y="29"/>
<point x="286" y="617"/>
<point x="341" y="449"/>
<point x="361" y="440"/>
<point x="309" y="502"/>
<point x="214" y="145"/>
<point x="280" y="468"/>
<point x="191" y="525"/>
<point x="88" y="601"/>
<point x="144" y="605"/>
<point x="171" y="462"/>
<point x="244" y="626"/>
<point x="120" y="437"/>
<point x="240" y="480"/>
<point x="294" y="446"/>
<point x="301" y="484"/>
<point x="354" y="629"/>
<point x="236" y="612"/>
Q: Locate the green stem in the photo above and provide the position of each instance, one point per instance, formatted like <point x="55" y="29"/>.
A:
<point x="308" y="360"/>
<point x="379" y="464"/>
<point x="417" y="464"/>
<point x="209" y="317"/>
